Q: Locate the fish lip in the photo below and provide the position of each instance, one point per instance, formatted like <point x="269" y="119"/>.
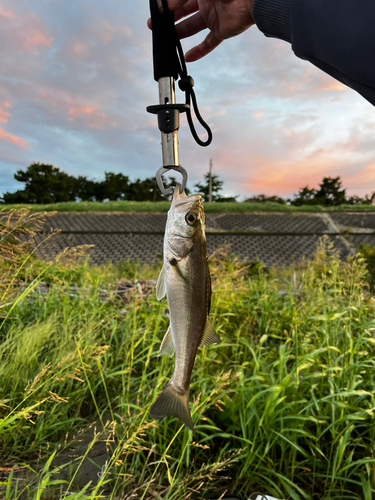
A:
<point x="187" y="201"/>
<point x="180" y="200"/>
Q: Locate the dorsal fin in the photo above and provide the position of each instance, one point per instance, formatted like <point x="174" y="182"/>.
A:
<point x="167" y="345"/>
<point x="209" y="335"/>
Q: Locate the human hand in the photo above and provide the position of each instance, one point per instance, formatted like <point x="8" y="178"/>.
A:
<point x="224" y="19"/>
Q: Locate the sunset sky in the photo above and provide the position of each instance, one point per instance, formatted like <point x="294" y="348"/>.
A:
<point x="76" y="77"/>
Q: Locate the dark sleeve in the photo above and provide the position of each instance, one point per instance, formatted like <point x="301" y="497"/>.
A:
<point x="337" y="36"/>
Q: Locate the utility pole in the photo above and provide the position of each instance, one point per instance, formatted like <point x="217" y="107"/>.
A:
<point x="210" y="184"/>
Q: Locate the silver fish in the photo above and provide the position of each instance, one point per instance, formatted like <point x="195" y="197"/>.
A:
<point x="185" y="279"/>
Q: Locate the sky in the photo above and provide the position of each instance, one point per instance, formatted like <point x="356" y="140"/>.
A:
<point x="76" y="78"/>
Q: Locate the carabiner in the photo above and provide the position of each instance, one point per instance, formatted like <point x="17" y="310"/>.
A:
<point x="170" y="190"/>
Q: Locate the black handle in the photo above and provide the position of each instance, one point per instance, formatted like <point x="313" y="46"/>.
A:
<point x="166" y="62"/>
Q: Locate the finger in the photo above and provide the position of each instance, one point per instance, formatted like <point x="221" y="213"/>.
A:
<point x="190" y="26"/>
<point x="208" y="45"/>
<point x="189" y="8"/>
<point x="175" y="5"/>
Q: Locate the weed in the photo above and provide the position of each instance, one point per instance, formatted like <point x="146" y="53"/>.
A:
<point x="285" y="404"/>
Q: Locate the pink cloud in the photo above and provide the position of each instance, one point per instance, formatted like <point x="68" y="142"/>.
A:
<point x="363" y="179"/>
<point x="7" y="14"/>
<point x="76" y="109"/>
<point x="13" y="139"/>
<point x="35" y="35"/>
<point x="330" y="85"/>
<point x="285" y="177"/>
<point x="94" y="118"/>
<point x="79" y="48"/>
<point x="98" y="33"/>
<point x="4" y="115"/>
<point x="7" y="136"/>
<point x="25" y="32"/>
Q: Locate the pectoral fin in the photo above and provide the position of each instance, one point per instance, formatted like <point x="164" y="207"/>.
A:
<point x="209" y="335"/>
<point x="167" y="345"/>
<point x="161" y="285"/>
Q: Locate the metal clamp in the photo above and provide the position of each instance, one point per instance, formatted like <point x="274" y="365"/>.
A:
<point x="170" y="190"/>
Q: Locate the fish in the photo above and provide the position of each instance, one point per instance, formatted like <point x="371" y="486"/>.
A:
<point x="185" y="280"/>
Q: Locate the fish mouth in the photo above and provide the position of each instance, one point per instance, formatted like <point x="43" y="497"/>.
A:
<point x="180" y="200"/>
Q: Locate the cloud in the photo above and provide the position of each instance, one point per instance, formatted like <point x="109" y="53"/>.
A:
<point x="78" y="76"/>
<point x="6" y="136"/>
<point x="13" y="139"/>
<point x="24" y="31"/>
<point x="7" y="14"/>
<point x="76" y="109"/>
<point x="4" y="114"/>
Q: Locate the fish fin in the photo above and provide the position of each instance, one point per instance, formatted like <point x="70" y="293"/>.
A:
<point x="161" y="285"/>
<point x="209" y="335"/>
<point x="169" y="403"/>
<point x="167" y="345"/>
<point x="209" y="290"/>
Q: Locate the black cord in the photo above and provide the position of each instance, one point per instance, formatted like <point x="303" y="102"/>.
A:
<point x="186" y="84"/>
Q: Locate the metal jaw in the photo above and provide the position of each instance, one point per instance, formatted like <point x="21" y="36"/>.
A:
<point x="170" y="190"/>
<point x="169" y="140"/>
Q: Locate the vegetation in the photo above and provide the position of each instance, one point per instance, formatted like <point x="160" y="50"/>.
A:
<point x="368" y="253"/>
<point x="216" y="188"/>
<point x="284" y="405"/>
<point x="45" y="185"/>
<point x="330" y="193"/>
<point x="262" y="198"/>
<point x="164" y="206"/>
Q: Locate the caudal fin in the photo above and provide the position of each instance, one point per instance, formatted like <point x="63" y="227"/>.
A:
<point x="169" y="403"/>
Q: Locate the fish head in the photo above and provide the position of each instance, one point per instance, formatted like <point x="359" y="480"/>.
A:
<point x="185" y="221"/>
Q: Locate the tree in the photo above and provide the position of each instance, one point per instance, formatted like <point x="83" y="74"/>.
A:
<point x="204" y="187"/>
<point x="357" y="200"/>
<point x="305" y="196"/>
<point x="43" y="184"/>
<point x="86" y="190"/>
<point x="330" y="192"/>
<point x="115" y="186"/>
<point x="47" y="184"/>
<point x="146" y="190"/>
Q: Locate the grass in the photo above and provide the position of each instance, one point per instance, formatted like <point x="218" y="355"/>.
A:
<point x="163" y="206"/>
<point x="284" y="405"/>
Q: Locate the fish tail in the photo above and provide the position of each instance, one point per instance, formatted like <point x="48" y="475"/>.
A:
<point x="170" y="403"/>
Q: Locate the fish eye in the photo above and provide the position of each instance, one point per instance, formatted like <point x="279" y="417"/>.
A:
<point x="191" y="218"/>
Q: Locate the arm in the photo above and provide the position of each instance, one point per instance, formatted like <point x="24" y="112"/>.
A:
<point x="337" y="36"/>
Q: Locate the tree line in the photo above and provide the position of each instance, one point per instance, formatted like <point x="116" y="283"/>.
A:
<point x="45" y="184"/>
<point x="329" y="193"/>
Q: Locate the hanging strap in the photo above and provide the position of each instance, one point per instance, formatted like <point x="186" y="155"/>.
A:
<point x="169" y="61"/>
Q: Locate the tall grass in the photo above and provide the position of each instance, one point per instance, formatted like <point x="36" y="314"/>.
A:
<point x="284" y="405"/>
